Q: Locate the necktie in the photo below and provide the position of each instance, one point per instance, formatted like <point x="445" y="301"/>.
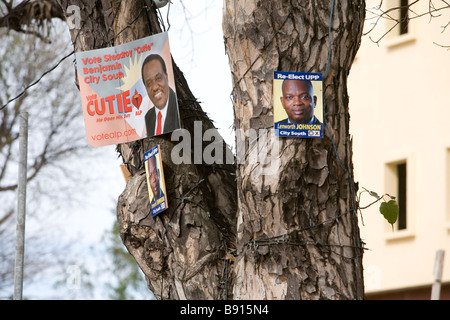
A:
<point x="158" y="128"/>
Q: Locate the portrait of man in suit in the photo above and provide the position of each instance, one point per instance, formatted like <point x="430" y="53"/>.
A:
<point x="163" y="117"/>
<point x="299" y="102"/>
<point x="154" y="179"/>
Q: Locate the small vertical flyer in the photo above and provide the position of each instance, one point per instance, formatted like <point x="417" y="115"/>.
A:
<point x="155" y="181"/>
<point x="298" y="105"/>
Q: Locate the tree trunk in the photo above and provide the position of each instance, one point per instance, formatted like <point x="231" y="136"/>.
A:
<point x="298" y="236"/>
<point x="181" y="251"/>
<point x="296" y="227"/>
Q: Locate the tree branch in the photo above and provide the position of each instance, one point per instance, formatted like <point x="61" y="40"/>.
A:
<point x="30" y="11"/>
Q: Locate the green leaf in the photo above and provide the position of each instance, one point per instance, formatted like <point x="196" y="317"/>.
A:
<point x="390" y="211"/>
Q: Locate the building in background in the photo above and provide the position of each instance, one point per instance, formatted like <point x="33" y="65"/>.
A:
<point x="399" y="91"/>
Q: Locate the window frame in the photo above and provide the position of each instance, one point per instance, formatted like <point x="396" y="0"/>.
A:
<point x="395" y="37"/>
<point x="391" y="184"/>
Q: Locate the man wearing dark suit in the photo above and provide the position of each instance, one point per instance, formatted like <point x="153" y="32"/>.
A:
<point x="154" y="179"/>
<point x="298" y="101"/>
<point x="164" y="116"/>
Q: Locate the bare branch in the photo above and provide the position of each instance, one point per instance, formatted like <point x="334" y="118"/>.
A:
<point x="30" y="12"/>
<point x="391" y="14"/>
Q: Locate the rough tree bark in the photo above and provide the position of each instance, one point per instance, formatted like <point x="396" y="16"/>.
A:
<point x="297" y="233"/>
<point x="297" y="227"/>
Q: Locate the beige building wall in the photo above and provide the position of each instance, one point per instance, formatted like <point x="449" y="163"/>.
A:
<point x="399" y="91"/>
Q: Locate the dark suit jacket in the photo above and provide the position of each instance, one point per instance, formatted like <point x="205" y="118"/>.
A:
<point x="172" y="121"/>
<point x="315" y="121"/>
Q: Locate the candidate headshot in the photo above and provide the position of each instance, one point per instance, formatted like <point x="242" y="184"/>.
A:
<point x="163" y="117"/>
<point x="299" y="102"/>
<point x="154" y="179"/>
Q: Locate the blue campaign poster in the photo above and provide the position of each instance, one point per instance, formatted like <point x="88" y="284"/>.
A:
<point x="155" y="181"/>
<point x="298" y="104"/>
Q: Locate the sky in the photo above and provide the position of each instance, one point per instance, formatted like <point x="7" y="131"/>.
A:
<point x="197" y="46"/>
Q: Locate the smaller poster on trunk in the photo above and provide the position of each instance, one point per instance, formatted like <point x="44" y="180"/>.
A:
<point x="298" y="104"/>
<point x="155" y="181"/>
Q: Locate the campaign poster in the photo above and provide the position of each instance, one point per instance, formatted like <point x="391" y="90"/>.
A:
<point x="298" y="104"/>
<point x="155" y="181"/>
<point x="123" y="88"/>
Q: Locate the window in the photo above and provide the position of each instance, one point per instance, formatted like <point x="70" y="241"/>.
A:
<point x="398" y="28"/>
<point x="396" y="184"/>
<point x="401" y="196"/>
<point x="403" y="16"/>
<point x="447" y="197"/>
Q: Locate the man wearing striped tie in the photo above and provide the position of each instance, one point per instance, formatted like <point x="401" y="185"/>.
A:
<point x="164" y="116"/>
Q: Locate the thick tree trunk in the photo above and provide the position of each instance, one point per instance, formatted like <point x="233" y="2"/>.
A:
<point x="181" y="251"/>
<point x="298" y="236"/>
